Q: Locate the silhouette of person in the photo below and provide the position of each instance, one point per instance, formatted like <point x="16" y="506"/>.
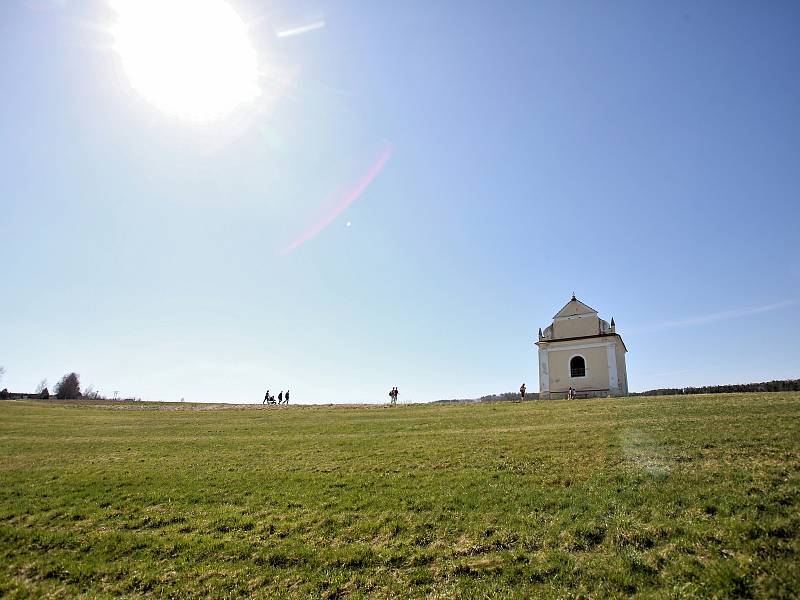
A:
<point x="286" y="397"/>
<point x="266" y="397"/>
<point x="280" y="397"/>
<point x="522" y="392"/>
<point x="396" y="394"/>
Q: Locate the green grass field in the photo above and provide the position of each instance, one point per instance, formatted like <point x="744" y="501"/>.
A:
<point x="669" y="497"/>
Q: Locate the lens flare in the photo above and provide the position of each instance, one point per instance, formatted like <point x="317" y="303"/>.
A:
<point x="343" y="202"/>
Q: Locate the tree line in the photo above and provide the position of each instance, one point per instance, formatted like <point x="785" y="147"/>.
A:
<point x="779" y="385"/>
<point x="68" y="388"/>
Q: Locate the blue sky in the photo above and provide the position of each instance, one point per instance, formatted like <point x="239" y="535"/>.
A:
<point x="645" y="156"/>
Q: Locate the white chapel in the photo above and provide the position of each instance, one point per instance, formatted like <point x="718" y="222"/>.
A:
<point x="581" y="351"/>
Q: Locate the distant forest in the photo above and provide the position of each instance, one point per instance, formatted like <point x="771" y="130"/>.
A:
<point x="784" y="385"/>
<point x="493" y="398"/>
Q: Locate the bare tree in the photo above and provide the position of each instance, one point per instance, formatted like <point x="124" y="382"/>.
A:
<point x="42" y="386"/>
<point x="69" y="387"/>
<point x="2" y="372"/>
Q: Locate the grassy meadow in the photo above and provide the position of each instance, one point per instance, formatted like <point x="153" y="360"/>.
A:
<point x="669" y="497"/>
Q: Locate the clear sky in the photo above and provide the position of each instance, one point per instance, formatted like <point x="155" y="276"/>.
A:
<point x="416" y="188"/>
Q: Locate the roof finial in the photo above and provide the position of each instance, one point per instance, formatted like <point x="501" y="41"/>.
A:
<point x="540" y="333"/>
<point x="573" y="297"/>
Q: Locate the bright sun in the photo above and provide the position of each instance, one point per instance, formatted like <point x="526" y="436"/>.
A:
<point x="190" y="58"/>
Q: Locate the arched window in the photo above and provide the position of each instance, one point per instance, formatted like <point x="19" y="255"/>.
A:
<point x="577" y="367"/>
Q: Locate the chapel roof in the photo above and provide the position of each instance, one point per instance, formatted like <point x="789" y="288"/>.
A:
<point x="575" y="307"/>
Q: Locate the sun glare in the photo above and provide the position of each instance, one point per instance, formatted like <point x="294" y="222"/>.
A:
<point x="190" y="58"/>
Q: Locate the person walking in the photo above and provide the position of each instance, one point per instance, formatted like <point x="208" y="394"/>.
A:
<point x="286" y="397"/>
<point x="280" y="397"/>
<point x="266" y="397"/>
<point x="522" y="392"/>
<point x="396" y="394"/>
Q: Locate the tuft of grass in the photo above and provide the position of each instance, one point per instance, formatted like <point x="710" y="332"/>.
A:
<point x="678" y="497"/>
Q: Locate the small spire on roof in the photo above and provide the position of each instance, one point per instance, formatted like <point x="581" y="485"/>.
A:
<point x="612" y="321"/>
<point x="573" y="297"/>
<point x="540" y="333"/>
